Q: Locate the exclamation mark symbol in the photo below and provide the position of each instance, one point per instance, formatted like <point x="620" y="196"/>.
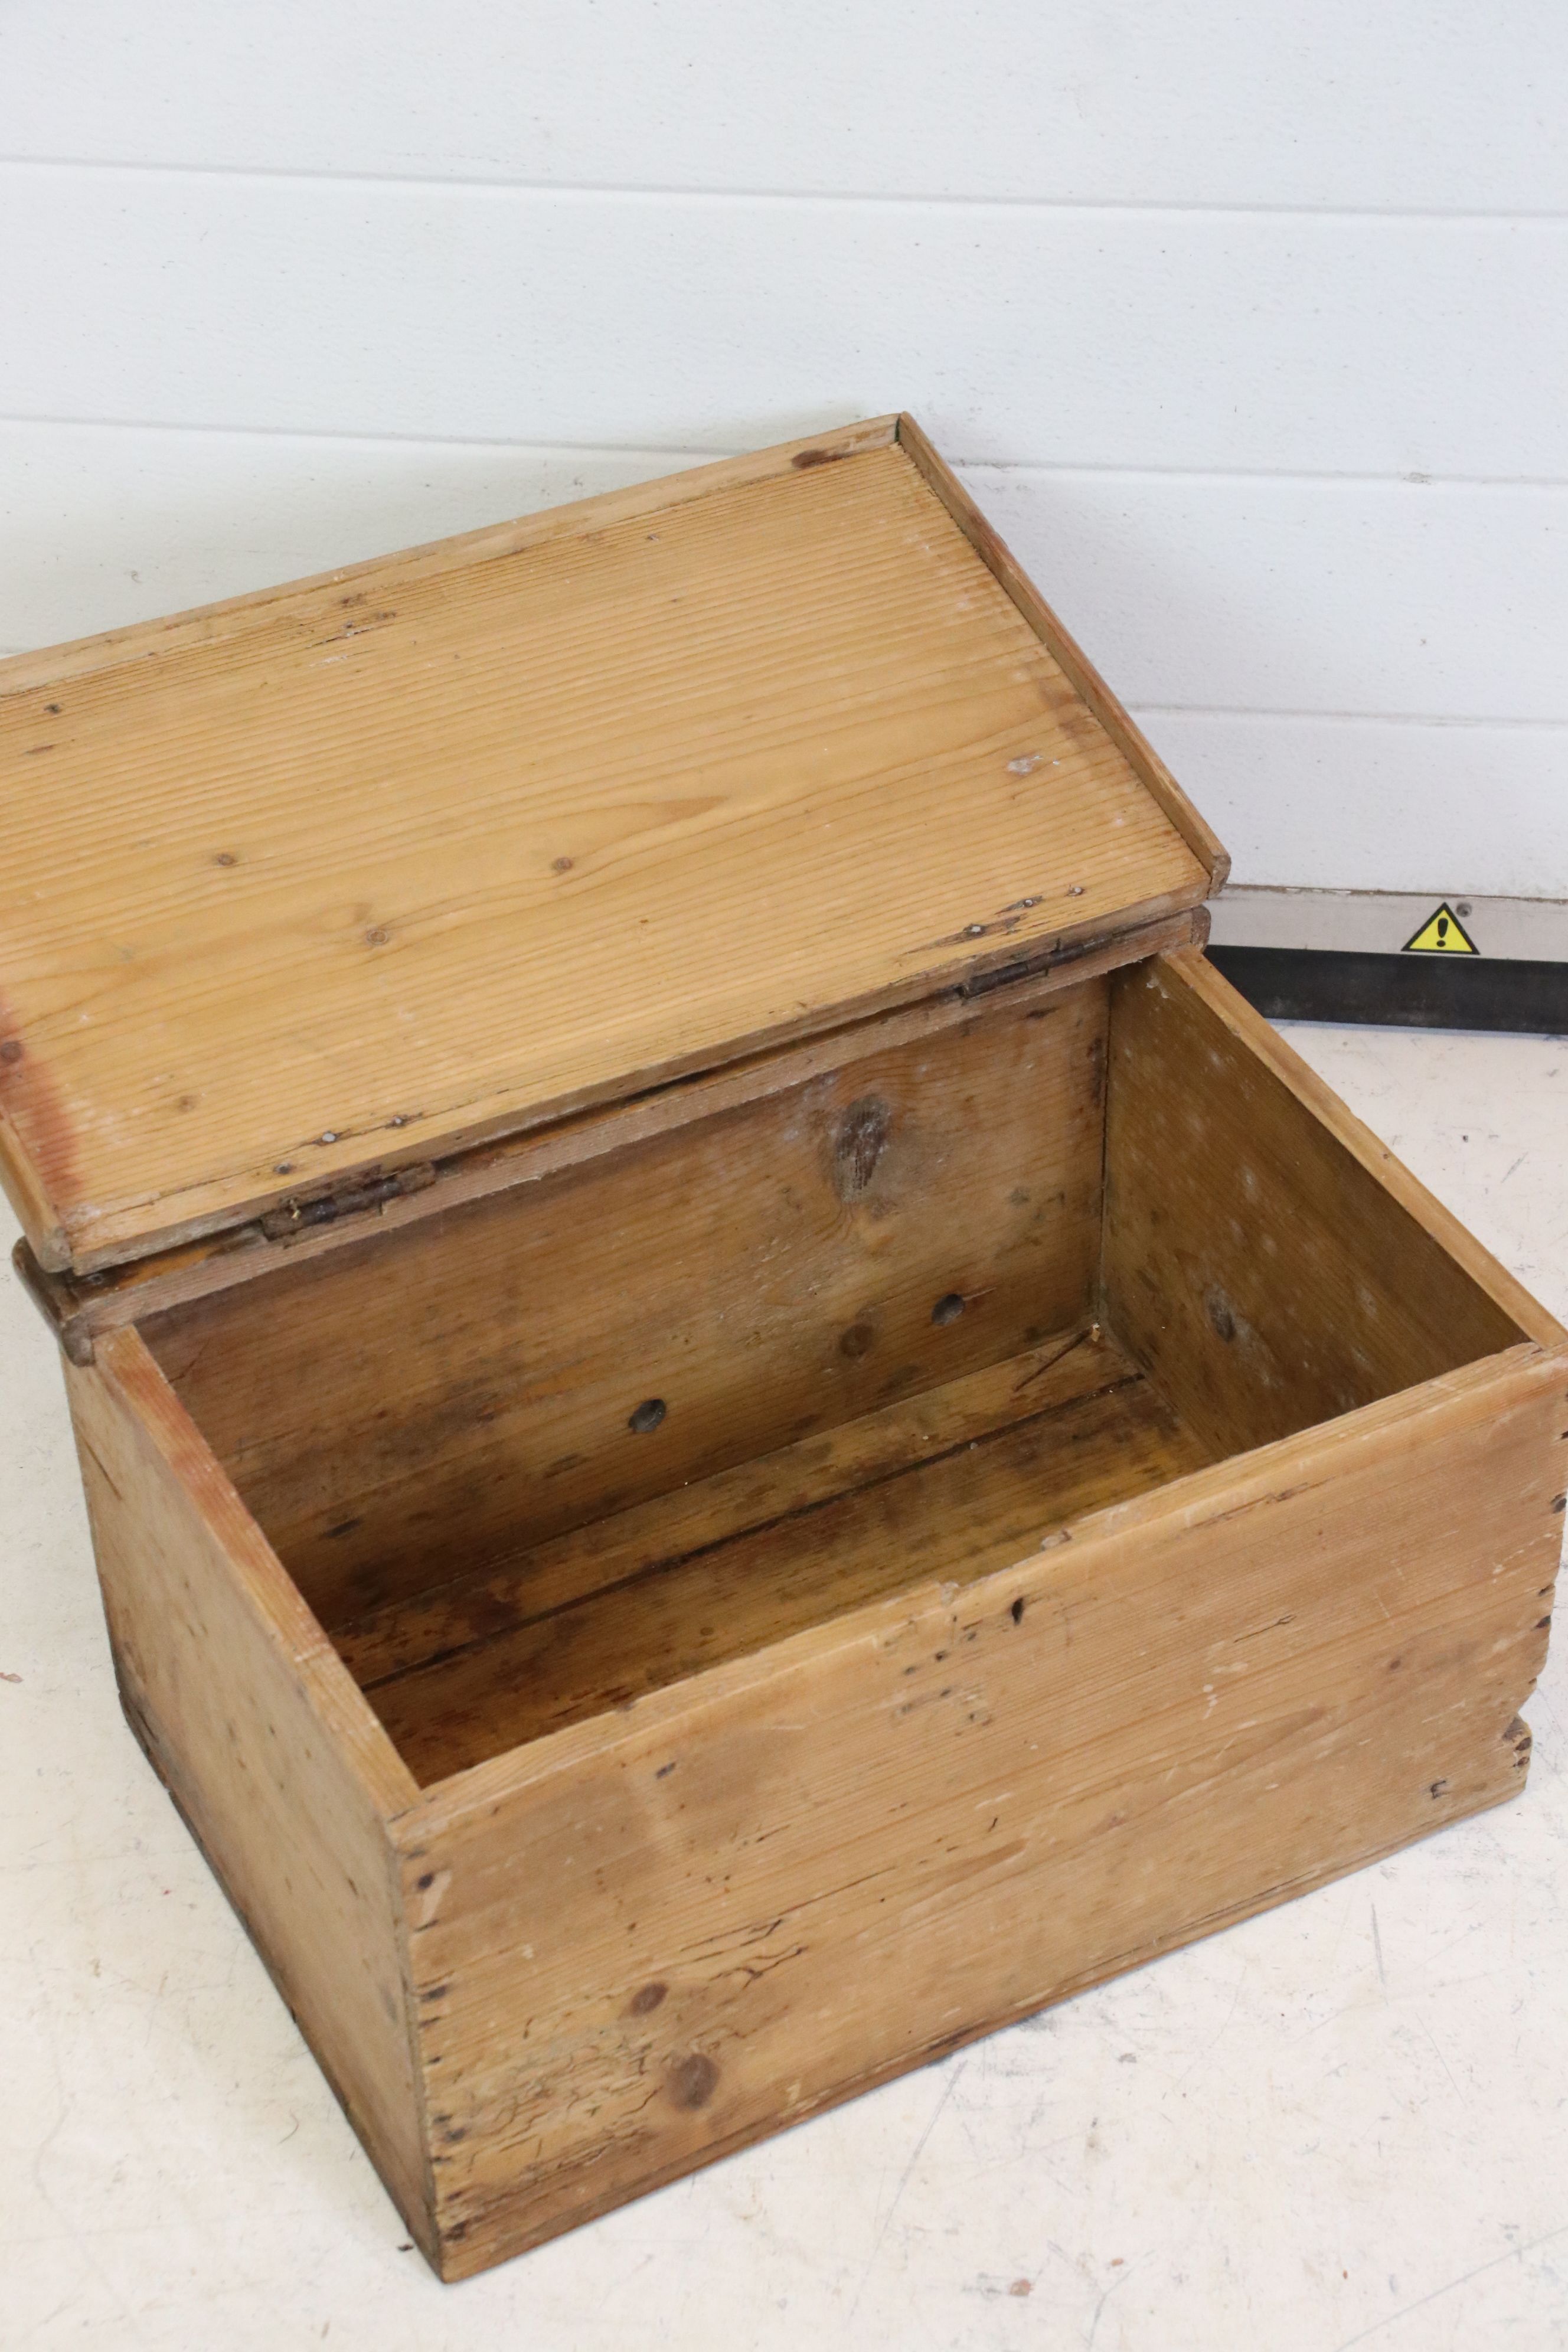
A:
<point x="1442" y="930"/>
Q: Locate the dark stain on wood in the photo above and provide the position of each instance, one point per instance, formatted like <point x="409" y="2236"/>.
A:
<point x="861" y="1139"/>
<point x="372" y="1192"/>
<point x="646" y="1999"/>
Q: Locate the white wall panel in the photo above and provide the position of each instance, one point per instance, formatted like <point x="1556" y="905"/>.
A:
<point x="1120" y="339"/>
<point x="1429" y="104"/>
<point x="1387" y="598"/>
<point x="1250" y="323"/>
<point x="1378" y="804"/>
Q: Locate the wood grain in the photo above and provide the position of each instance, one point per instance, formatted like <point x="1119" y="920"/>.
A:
<point x="342" y="872"/>
<point x="397" y="1412"/>
<point x="77" y="1307"/>
<point x="1070" y="1430"/>
<point x="1253" y="1037"/>
<point x="506" y="1592"/>
<point x="1264" y="1258"/>
<point x="743" y="1898"/>
<point x="283" y="1774"/>
<point x="1010" y="575"/>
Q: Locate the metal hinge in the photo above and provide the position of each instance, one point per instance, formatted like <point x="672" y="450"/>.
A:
<point x="350" y="1200"/>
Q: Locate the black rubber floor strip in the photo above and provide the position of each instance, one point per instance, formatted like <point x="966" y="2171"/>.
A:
<point x="1400" y="991"/>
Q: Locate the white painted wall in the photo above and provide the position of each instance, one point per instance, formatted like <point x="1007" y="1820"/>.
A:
<point x="1247" y="323"/>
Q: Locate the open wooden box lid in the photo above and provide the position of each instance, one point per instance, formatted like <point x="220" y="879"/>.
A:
<point x="360" y="873"/>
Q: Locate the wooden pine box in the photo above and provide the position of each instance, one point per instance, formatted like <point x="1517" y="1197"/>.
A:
<point x="739" y="1422"/>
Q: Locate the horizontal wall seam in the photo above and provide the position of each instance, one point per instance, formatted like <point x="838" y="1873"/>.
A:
<point x="712" y="454"/>
<point x="1337" y="718"/>
<point x="666" y="193"/>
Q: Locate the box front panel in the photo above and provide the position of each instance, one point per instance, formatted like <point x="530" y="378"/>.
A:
<point x="656" y="1937"/>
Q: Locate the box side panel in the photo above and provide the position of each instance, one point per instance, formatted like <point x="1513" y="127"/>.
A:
<point x="658" y="1936"/>
<point x="1265" y="1273"/>
<point x="265" y="1744"/>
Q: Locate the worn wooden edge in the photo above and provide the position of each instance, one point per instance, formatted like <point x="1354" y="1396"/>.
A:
<point x="76" y="1308"/>
<point x="1190" y="968"/>
<point x="51" y="1293"/>
<point x="467" y="2258"/>
<point x="124" y="1363"/>
<point x="1128" y="739"/>
<point x="418" y="2215"/>
<point x="1118" y="1534"/>
<point x="34" y="1211"/>
<point x="205" y="625"/>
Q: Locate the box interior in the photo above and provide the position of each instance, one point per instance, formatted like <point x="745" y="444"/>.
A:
<point x="547" y="1451"/>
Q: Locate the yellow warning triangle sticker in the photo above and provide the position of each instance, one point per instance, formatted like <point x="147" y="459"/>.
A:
<point x="1441" y="934"/>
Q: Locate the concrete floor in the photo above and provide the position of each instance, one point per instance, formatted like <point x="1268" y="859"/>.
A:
<point x="1343" y="2123"/>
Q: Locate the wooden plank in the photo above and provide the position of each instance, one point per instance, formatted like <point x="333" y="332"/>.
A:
<point x="316" y="601"/>
<point x="77" y="1307"/>
<point x="1266" y="1258"/>
<point x="505" y="1593"/>
<point x="341" y="874"/>
<point x="263" y="1740"/>
<point x="1128" y="739"/>
<point x="397" y="1412"/>
<point x="952" y="1509"/>
<point x="1191" y="590"/>
<point x="748" y="1897"/>
<point x="1193" y="971"/>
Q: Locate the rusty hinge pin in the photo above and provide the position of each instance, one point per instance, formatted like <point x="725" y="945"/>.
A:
<point x="291" y="1217"/>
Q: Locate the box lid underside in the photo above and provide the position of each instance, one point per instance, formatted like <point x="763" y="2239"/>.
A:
<point x="360" y="873"/>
